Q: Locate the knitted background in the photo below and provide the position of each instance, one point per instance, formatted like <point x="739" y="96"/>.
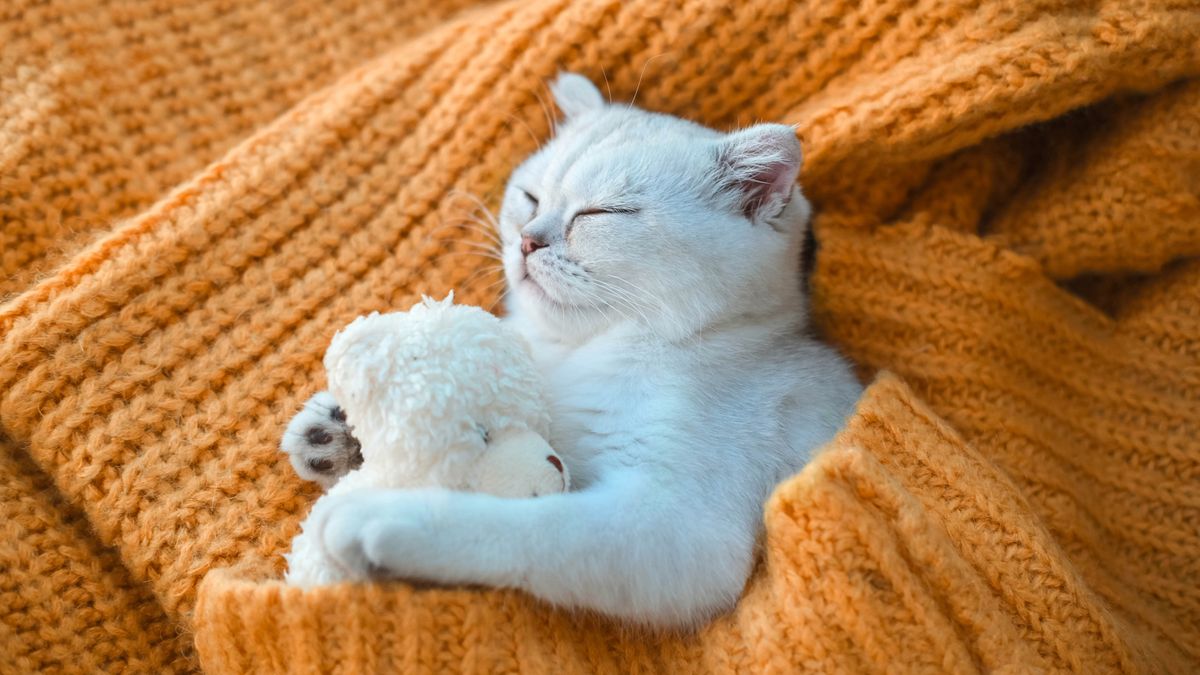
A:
<point x="195" y="196"/>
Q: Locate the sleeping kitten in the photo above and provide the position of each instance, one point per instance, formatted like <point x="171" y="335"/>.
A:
<point x="653" y="265"/>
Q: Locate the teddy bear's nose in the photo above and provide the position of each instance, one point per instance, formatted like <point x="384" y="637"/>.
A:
<point x="556" y="462"/>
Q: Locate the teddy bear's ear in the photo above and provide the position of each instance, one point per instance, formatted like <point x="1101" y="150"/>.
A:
<point x="427" y="301"/>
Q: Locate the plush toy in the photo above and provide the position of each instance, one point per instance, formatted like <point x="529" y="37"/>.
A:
<point x="442" y="395"/>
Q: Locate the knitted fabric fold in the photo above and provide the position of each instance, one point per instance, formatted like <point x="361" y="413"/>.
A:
<point x="195" y="196"/>
<point x="879" y="555"/>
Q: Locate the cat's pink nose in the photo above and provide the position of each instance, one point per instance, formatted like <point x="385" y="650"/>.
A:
<point x="529" y="245"/>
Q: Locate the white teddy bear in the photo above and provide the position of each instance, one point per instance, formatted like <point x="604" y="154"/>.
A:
<point x="441" y="395"/>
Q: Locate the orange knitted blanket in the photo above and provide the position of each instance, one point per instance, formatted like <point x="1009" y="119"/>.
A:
<point x="195" y="195"/>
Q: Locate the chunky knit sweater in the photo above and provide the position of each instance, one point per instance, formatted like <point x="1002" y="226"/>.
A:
<point x="195" y="195"/>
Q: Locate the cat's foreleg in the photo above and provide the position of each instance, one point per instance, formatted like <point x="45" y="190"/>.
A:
<point x="624" y="547"/>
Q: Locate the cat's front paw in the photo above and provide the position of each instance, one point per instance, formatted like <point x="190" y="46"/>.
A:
<point x="376" y="534"/>
<point x="319" y="443"/>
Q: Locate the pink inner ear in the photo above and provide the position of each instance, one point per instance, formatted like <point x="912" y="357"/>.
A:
<point x="761" y="164"/>
<point x="773" y="179"/>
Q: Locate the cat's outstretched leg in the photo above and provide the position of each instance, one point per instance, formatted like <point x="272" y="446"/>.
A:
<point x="319" y="443"/>
<point x="625" y="549"/>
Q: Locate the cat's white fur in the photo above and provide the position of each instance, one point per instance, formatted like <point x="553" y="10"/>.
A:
<point x="671" y="331"/>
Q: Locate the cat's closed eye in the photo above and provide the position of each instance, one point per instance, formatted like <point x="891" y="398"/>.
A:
<point x="597" y="211"/>
<point x="532" y="200"/>
<point x="607" y="210"/>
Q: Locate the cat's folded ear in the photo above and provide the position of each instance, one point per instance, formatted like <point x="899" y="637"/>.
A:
<point x="575" y="94"/>
<point x="758" y="166"/>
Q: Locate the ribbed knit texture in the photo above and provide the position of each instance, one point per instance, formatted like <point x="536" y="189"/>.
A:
<point x="195" y="196"/>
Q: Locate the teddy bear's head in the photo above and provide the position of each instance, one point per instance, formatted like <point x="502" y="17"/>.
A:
<point x="426" y="390"/>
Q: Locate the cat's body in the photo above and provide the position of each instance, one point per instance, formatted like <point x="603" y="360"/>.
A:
<point x="617" y="397"/>
<point x="653" y="265"/>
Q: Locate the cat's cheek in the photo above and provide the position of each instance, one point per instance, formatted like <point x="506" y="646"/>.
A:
<point x="510" y="219"/>
<point x="594" y="250"/>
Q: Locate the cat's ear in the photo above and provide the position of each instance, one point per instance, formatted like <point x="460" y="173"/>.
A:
<point x="575" y="94"/>
<point x="758" y="167"/>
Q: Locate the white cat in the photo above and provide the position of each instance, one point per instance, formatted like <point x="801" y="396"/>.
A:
<point x="653" y="265"/>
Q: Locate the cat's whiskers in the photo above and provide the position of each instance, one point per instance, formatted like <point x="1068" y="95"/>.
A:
<point x="483" y="228"/>
<point x="635" y="291"/>
<point x="638" y="88"/>
<point x="464" y="226"/>
<point x="607" y="86"/>
<point x="537" y="142"/>
<point x="488" y="289"/>
<point x="482" y="247"/>
<point x="484" y="271"/>
<point x="470" y="254"/>
<point x="590" y="299"/>
<point x="629" y="299"/>
<point x="546" y="111"/>
<point x="599" y="307"/>
<point x="480" y="205"/>
<point x="623" y="297"/>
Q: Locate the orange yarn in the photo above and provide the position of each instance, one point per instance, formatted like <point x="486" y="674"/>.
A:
<point x="194" y="196"/>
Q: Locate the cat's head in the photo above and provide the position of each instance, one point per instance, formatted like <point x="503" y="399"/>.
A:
<point x="628" y="215"/>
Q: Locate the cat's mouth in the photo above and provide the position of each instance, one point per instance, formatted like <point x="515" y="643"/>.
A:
<point x="540" y="292"/>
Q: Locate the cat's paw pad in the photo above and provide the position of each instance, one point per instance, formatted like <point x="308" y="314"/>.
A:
<point x="319" y="443"/>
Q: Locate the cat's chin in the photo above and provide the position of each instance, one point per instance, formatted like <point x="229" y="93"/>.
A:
<point x="531" y="288"/>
